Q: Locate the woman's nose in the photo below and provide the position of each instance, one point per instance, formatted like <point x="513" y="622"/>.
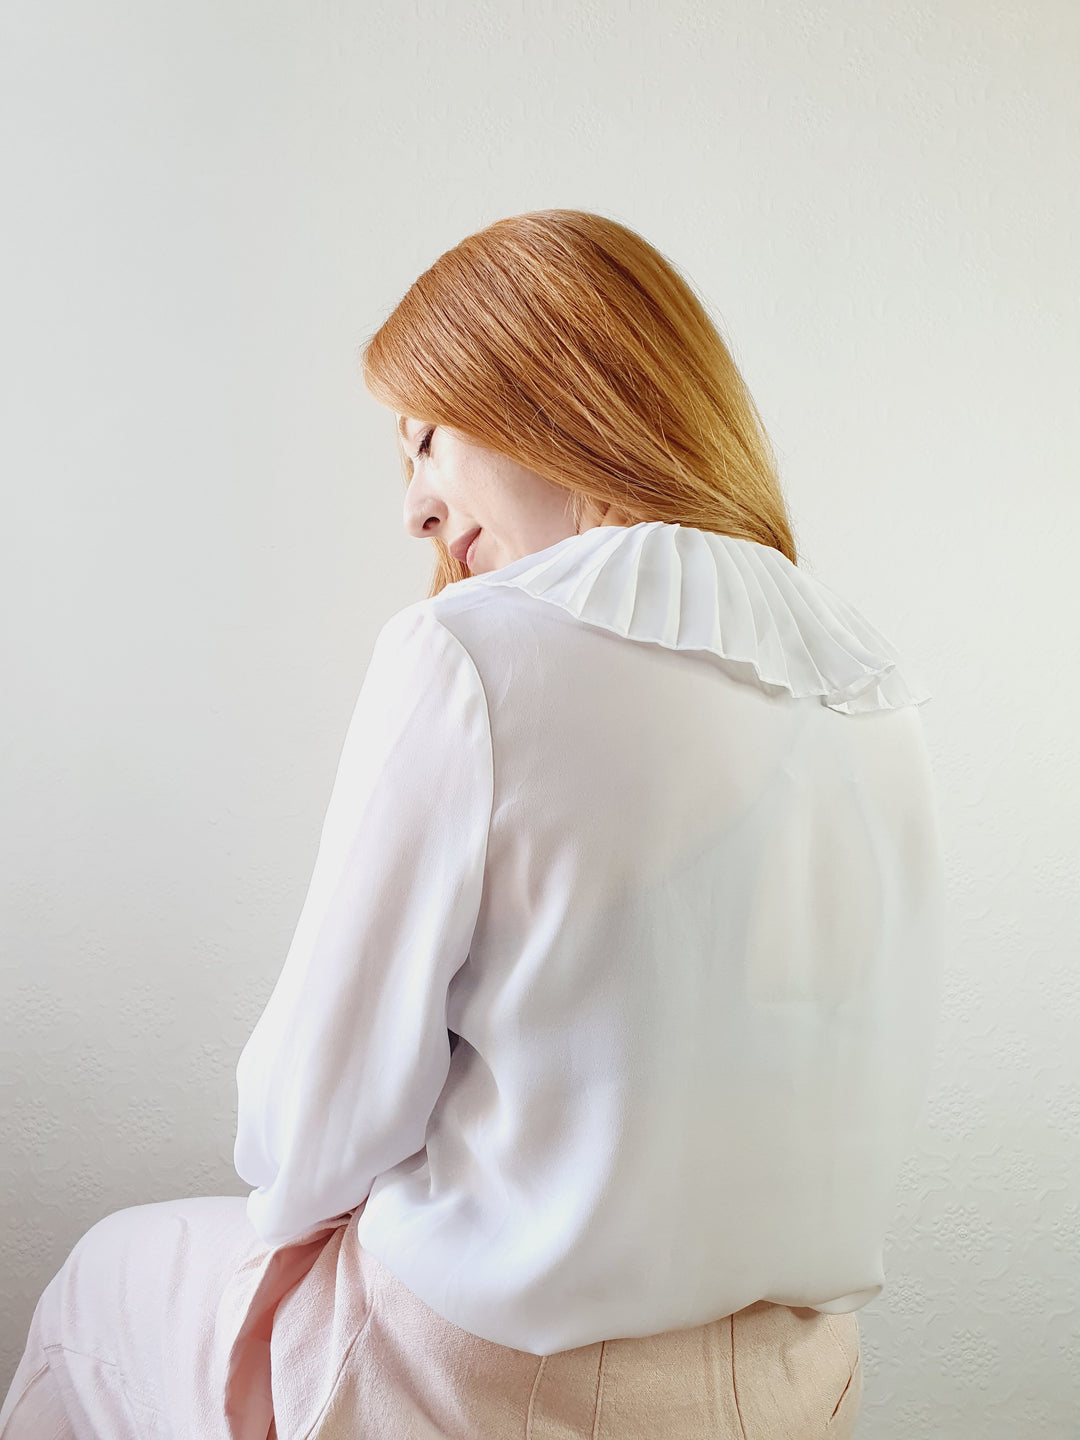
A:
<point x="425" y="517"/>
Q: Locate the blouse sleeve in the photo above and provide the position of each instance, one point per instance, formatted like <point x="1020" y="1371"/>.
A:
<point x="340" y="1075"/>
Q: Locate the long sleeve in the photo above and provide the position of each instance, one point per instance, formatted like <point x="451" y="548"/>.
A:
<point x="339" y="1078"/>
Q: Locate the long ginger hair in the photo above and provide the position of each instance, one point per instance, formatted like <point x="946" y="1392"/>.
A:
<point x="565" y="341"/>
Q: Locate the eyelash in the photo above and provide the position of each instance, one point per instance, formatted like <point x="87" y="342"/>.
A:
<point x="425" y="444"/>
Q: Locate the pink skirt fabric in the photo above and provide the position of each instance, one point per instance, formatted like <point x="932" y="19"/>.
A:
<point x="173" y="1321"/>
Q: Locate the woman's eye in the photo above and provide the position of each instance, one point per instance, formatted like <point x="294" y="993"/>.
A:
<point x="425" y="444"/>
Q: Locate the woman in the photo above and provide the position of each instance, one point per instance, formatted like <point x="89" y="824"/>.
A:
<point x="579" y="1102"/>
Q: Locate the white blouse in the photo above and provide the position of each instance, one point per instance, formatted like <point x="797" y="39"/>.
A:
<point x="615" y="989"/>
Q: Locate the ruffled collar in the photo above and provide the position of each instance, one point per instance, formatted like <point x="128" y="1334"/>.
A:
<point x="689" y="589"/>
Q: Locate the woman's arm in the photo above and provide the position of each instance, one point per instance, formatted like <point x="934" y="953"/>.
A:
<point x="338" y="1080"/>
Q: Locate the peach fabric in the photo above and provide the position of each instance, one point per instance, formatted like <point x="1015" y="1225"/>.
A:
<point x="174" y="1320"/>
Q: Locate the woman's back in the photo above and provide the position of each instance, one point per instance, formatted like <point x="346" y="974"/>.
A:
<point x="695" y="1018"/>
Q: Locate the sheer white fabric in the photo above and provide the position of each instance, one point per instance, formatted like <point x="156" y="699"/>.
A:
<point x="615" y="989"/>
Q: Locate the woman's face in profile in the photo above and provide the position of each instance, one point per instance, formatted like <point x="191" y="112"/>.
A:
<point x="460" y="490"/>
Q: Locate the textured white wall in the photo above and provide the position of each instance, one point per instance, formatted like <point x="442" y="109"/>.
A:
<point x="207" y="206"/>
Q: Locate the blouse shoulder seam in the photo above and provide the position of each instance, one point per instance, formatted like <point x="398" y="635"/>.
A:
<point x="459" y="645"/>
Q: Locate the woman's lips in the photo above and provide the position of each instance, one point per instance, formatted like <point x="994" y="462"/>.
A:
<point x="465" y="540"/>
<point x="469" y="552"/>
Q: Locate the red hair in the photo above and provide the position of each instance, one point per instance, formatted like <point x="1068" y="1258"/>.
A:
<point x="565" y="341"/>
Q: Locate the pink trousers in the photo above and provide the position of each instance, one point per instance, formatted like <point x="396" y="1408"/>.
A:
<point x="174" y="1320"/>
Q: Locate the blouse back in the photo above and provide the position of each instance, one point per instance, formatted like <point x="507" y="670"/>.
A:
<point x="675" y="927"/>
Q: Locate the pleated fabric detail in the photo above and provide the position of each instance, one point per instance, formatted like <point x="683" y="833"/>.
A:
<point x="689" y="589"/>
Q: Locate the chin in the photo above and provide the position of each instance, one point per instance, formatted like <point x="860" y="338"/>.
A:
<point x="479" y="567"/>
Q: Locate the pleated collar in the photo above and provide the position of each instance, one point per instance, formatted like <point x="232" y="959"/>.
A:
<point x="689" y="589"/>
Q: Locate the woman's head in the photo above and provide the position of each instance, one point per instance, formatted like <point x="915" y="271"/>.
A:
<point x="572" y="378"/>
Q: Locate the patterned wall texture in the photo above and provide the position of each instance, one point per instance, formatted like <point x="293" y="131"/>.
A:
<point x="214" y="203"/>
